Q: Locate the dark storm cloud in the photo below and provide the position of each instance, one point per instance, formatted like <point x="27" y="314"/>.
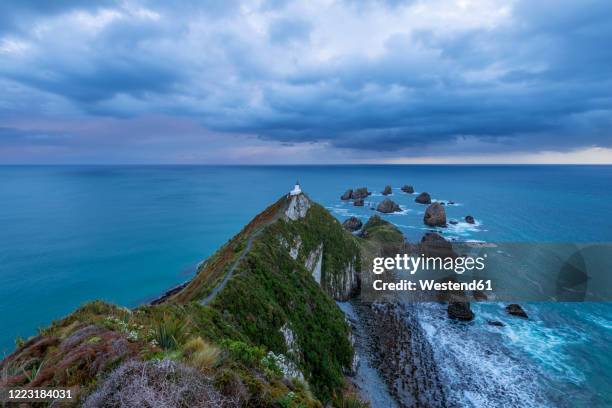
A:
<point x="537" y="79"/>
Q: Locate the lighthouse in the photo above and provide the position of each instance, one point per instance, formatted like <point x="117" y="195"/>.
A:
<point x="296" y="190"/>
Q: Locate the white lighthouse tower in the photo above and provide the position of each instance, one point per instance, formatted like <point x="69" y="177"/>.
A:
<point x="296" y="190"/>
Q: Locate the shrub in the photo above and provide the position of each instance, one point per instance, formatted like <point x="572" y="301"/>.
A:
<point x="201" y="354"/>
<point x="157" y="384"/>
<point x="247" y="355"/>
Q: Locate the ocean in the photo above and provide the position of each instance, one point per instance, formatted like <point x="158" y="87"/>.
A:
<point x="70" y="234"/>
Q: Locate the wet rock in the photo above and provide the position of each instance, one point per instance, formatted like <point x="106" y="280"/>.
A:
<point x="479" y="295"/>
<point x="469" y="219"/>
<point x="348" y="194"/>
<point x="408" y="189"/>
<point x="387" y="190"/>
<point x="435" y="216"/>
<point x="516" y="310"/>
<point x="388" y="206"/>
<point x="358" y="202"/>
<point x="352" y="224"/>
<point x="459" y="308"/>
<point x="361" y="192"/>
<point x="495" y="323"/>
<point x="451" y="203"/>
<point x="453" y="222"/>
<point x="423" y="198"/>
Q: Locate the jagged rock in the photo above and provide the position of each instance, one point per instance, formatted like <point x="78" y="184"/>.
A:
<point x="435" y="216"/>
<point x="469" y="219"/>
<point x="453" y="222"/>
<point x="408" y="189"/>
<point x="298" y="207"/>
<point x="358" y="202"/>
<point x="361" y="192"/>
<point x="388" y="206"/>
<point x="423" y="198"/>
<point x="479" y="295"/>
<point x="352" y="224"/>
<point x="387" y="190"/>
<point x="495" y="323"/>
<point x="348" y="194"/>
<point x="516" y="310"/>
<point x="459" y="308"/>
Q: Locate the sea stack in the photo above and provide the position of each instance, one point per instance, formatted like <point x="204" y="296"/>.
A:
<point x="358" y="202"/>
<point x="435" y="216"/>
<point x="361" y="192"/>
<point x="387" y="190"/>
<point x="469" y="219"/>
<point x="388" y="206"/>
<point x="423" y="198"/>
<point x="408" y="189"/>
<point x="459" y="308"/>
<point x="348" y="194"/>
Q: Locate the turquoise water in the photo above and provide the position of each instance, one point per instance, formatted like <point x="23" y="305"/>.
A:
<point x="125" y="234"/>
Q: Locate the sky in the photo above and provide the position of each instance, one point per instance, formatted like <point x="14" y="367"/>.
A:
<point x="314" y="81"/>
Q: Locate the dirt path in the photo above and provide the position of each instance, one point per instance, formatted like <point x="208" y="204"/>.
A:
<point x="232" y="268"/>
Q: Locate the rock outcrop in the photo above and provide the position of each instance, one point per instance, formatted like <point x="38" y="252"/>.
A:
<point x="352" y="224"/>
<point x="408" y="189"/>
<point x="459" y="308"/>
<point x="314" y="261"/>
<point x="435" y="216"/>
<point x="423" y="198"/>
<point x="348" y="194"/>
<point x="516" y="310"/>
<point x="298" y="207"/>
<point x="469" y="219"/>
<point x="361" y="192"/>
<point x="358" y="202"/>
<point x="388" y="206"/>
<point x="387" y="190"/>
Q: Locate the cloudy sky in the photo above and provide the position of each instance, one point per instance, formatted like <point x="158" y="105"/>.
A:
<point x="313" y="81"/>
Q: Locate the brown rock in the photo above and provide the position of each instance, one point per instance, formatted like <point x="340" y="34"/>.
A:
<point x="516" y="310"/>
<point x="388" y="206"/>
<point x="435" y="216"/>
<point x="347" y="195"/>
<point x="469" y="219"/>
<point x="387" y="190"/>
<point x="408" y="189"/>
<point x="423" y="198"/>
<point x="358" y="202"/>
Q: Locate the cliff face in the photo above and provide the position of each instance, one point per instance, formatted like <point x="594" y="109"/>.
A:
<point x="257" y="325"/>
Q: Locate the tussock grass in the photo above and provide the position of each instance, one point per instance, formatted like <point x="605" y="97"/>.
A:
<point x="201" y="354"/>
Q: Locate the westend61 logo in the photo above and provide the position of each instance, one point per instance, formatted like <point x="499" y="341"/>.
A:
<point x="412" y="264"/>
